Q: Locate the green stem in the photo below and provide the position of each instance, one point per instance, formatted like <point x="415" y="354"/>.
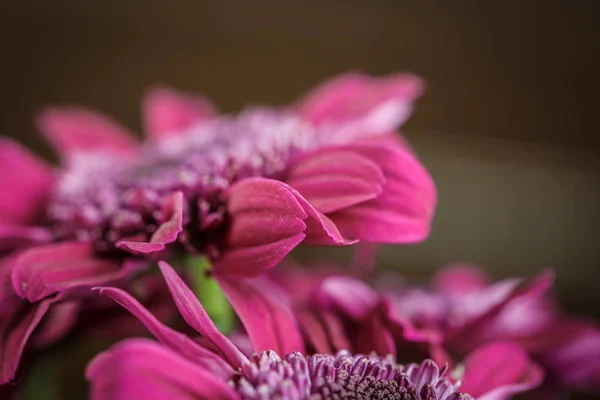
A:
<point x="210" y="294"/>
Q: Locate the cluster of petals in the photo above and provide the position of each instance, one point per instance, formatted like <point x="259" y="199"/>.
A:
<point x="243" y="190"/>
<point x="275" y="365"/>
<point x="461" y="317"/>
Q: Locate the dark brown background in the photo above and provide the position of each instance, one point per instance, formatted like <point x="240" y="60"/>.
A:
<point x="508" y="126"/>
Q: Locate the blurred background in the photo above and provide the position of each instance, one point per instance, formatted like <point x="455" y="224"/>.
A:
<point x="508" y="126"/>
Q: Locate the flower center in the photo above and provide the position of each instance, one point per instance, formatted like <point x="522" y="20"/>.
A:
<point x="102" y="198"/>
<point x="343" y="376"/>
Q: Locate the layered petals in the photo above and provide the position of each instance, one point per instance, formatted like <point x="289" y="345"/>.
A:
<point x="499" y="371"/>
<point x="269" y="219"/>
<point x="44" y="270"/>
<point x="403" y="212"/>
<point x="18" y="320"/>
<point x="356" y="105"/>
<point x="166" y="232"/>
<point x="140" y="368"/>
<point x="266" y="314"/>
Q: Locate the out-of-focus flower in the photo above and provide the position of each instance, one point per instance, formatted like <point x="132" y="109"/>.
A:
<point x="180" y="368"/>
<point x="460" y="312"/>
<point x="243" y="190"/>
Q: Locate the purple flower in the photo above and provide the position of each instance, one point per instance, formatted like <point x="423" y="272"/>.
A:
<point x="243" y="190"/>
<point x="181" y="368"/>
<point x="459" y="314"/>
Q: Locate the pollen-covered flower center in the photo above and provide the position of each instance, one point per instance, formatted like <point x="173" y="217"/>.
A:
<point x="341" y="376"/>
<point x="104" y="198"/>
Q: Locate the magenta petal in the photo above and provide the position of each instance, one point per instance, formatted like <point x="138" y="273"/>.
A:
<point x="360" y="105"/>
<point x="25" y="181"/>
<point x="314" y="332"/>
<point x="498" y="371"/>
<point x="572" y="352"/>
<point x="334" y="179"/>
<point x="12" y="237"/>
<point x="404" y="211"/>
<point x="59" y="321"/>
<point x="166" y="233"/>
<point x="167" y="112"/>
<point x="266" y="224"/>
<point x="73" y="130"/>
<point x="266" y="314"/>
<point x="44" y="270"/>
<point x="143" y="369"/>
<point x="195" y="315"/>
<point x="460" y="278"/>
<point x="351" y="295"/>
<point x="320" y="230"/>
<point x="18" y="319"/>
<point x="177" y="341"/>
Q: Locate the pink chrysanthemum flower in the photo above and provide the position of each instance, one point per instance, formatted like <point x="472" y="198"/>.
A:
<point x="460" y="313"/>
<point x="242" y="190"/>
<point x="180" y="368"/>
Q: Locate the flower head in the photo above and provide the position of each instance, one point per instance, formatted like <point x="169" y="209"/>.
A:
<point x="243" y="190"/>
<point x="181" y="368"/>
<point x="459" y="316"/>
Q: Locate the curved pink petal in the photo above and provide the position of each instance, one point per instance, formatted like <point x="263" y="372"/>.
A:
<point x="143" y="369"/>
<point x="498" y="371"/>
<point x="44" y="270"/>
<point x="167" y="112"/>
<point x="76" y="130"/>
<point x="335" y="179"/>
<point x="571" y="350"/>
<point x="491" y="302"/>
<point x="355" y="105"/>
<point x="12" y="237"/>
<point x="18" y="320"/>
<point x="195" y="315"/>
<point x="403" y="212"/>
<point x="265" y="312"/>
<point x="166" y="233"/>
<point x="177" y="341"/>
<point x="59" y="321"/>
<point x="460" y="279"/>
<point x="268" y="219"/>
<point x="374" y="335"/>
<point x="351" y="295"/>
<point x="26" y="182"/>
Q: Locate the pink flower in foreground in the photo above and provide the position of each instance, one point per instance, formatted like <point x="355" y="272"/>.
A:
<point x="180" y="368"/>
<point x="243" y="190"/>
<point x="460" y="313"/>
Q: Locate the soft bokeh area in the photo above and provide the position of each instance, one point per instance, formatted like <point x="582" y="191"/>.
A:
<point x="507" y="127"/>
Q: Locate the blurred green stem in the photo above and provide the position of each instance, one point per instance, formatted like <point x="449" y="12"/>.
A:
<point x="210" y="294"/>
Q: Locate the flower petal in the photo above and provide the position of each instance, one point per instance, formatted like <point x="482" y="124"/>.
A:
<point x="177" y="341"/>
<point x="498" y="371"/>
<point x="404" y="211"/>
<point x="25" y="181"/>
<point x="572" y="352"/>
<point x="75" y="130"/>
<point x="266" y="224"/>
<point x="355" y="105"/>
<point x="265" y="312"/>
<point x="335" y="179"/>
<point x="166" y="233"/>
<point x="143" y="369"/>
<point x="167" y="112"/>
<point x="195" y="315"/>
<point x="18" y="319"/>
<point x="59" y="321"/>
<point x="44" y="270"/>
<point x="12" y="237"/>
<point x="351" y="295"/>
<point x="460" y="279"/>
